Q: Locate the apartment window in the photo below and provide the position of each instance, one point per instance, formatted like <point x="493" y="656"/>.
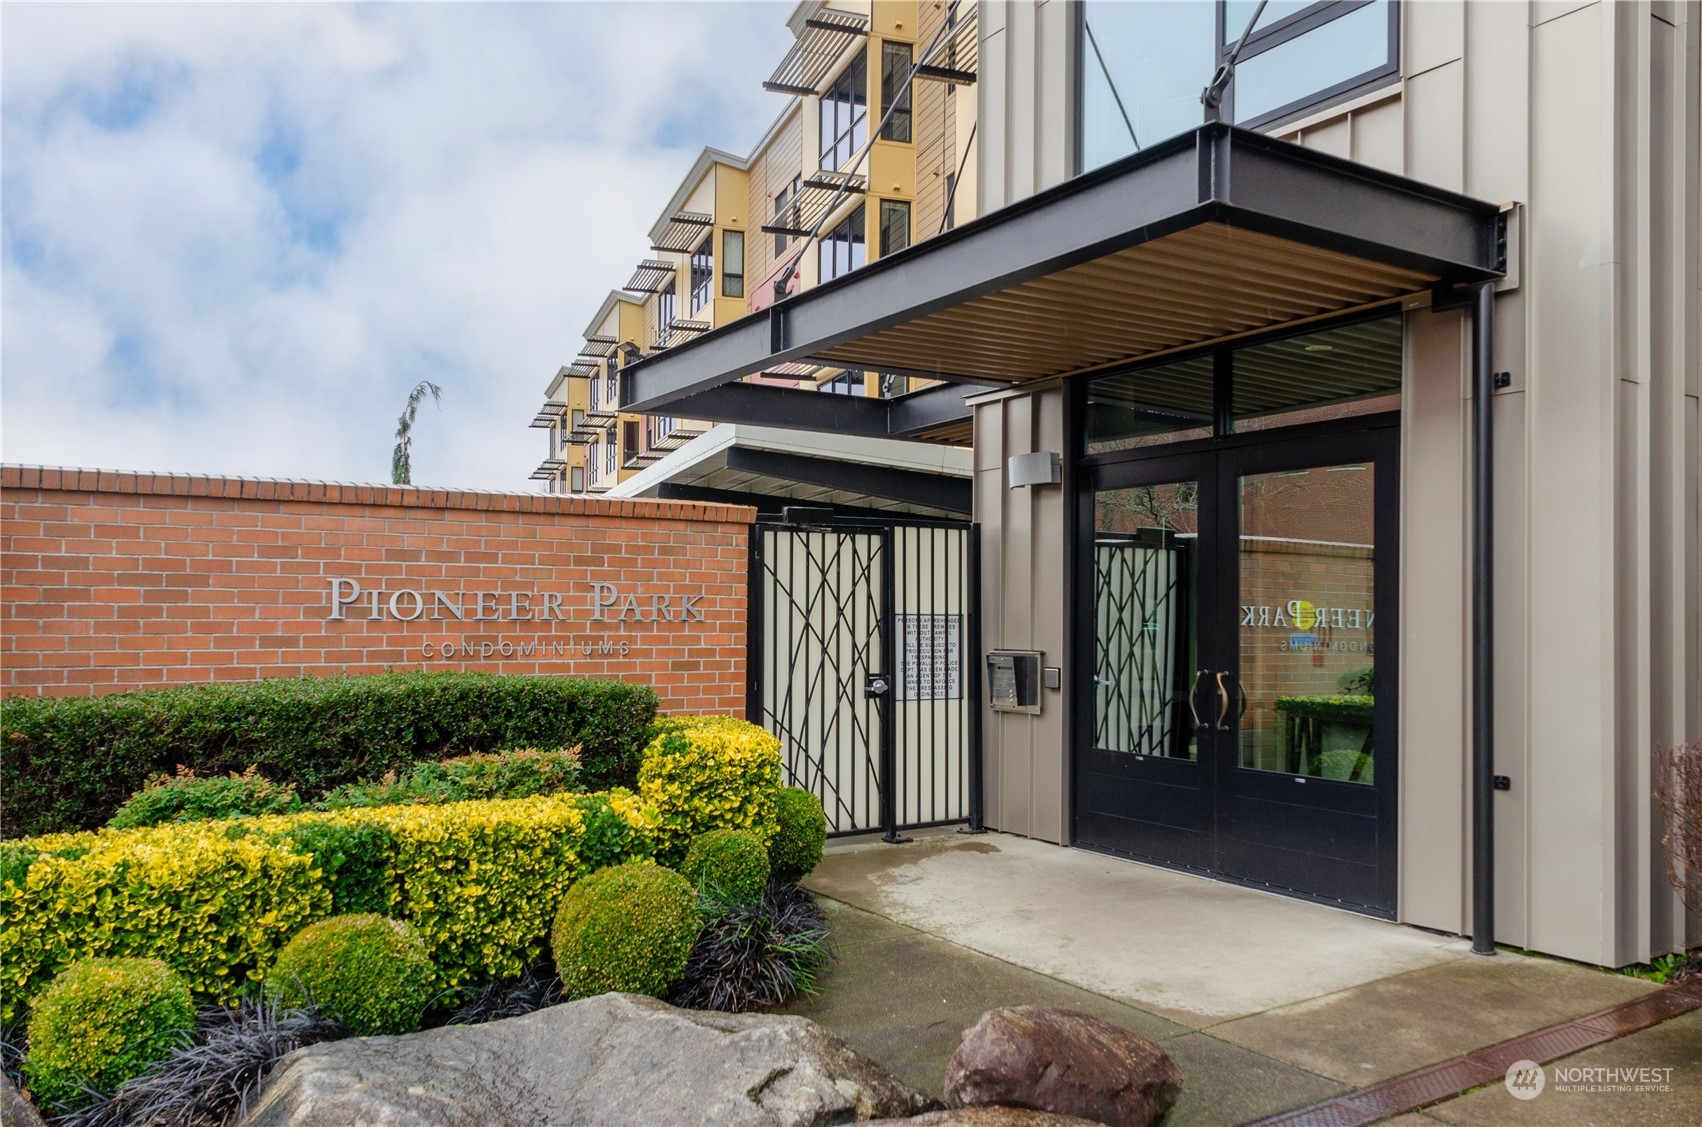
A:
<point x="845" y="115"/>
<point x="895" y="226"/>
<point x="611" y="454"/>
<point x="612" y="366"/>
<point x="841" y="384"/>
<point x="576" y="480"/>
<point x="732" y="264"/>
<point x="896" y="61"/>
<point x="784" y="199"/>
<point x="1143" y="65"/>
<point x="579" y="420"/>
<point x="629" y="437"/>
<point x="702" y="273"/>
<point x="664" y="310"/>
<point x="843" y="249"/>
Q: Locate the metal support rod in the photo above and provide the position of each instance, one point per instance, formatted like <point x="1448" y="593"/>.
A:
<point x="973" y="674"/>
<point x="1483" y="621"/>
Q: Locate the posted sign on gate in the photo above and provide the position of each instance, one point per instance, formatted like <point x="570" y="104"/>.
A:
<point x="930" y="661"/>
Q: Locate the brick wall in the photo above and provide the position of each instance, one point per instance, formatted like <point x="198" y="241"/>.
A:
<point x="117" y="581"/>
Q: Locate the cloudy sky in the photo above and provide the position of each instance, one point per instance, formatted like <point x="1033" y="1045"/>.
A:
<point x="236" y="235"/>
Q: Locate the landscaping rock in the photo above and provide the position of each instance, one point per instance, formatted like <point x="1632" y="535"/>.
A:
<point x="1065" y="1062"/>
<point x="613" y="1059"/>
<point x="986" y="1117"/>
<point x="15" y="1111"/>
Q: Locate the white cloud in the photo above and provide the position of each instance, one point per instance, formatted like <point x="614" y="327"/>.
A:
<point x="236" y="235"/>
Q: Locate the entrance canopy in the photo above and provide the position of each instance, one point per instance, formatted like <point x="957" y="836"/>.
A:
<point x="1209" y="235"/>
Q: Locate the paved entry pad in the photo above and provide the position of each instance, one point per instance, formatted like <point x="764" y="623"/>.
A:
<point x="1193" y="950"/>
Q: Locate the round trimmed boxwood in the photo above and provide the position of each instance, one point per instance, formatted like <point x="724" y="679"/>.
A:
<point x="368" y="971"/>
<point x="796" y="849"/>
<point x="628" y="928"/>
<point x="727" y="864"/>
<point x="101" y="1022"/>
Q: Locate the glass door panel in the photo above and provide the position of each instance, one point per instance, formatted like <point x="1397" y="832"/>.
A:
<point x="1143" y="773"/>
<point x="1307" y="567"/>
<point x="1145" y="586"/>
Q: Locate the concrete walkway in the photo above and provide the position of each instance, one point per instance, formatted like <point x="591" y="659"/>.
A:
<point x="1265" y="1003"/>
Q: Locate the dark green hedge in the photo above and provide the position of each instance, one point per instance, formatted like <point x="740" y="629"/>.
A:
<point x="67" y="763"/>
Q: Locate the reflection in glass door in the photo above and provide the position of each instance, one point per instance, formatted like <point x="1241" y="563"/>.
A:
<point x="1308" y="612"/>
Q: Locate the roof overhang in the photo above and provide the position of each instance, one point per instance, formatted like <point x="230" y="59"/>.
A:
<point x="936" y="414"/>
<point x="1213" y="234"/>
<point x="771" y="468"/>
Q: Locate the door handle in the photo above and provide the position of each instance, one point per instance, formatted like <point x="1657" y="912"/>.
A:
<point x="1192" y="689"/>
<point x="1223" y="701"/>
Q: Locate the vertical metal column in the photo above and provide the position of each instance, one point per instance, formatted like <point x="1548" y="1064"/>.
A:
<point x="971" y="674"/>
<point x="883" y="703"/>
<point x="1483" y="622"/>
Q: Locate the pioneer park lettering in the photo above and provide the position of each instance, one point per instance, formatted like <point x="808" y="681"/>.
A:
<point x="410" y="604"/>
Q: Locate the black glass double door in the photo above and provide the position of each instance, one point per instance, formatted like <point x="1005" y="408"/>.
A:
<point x="1235" y="642"/>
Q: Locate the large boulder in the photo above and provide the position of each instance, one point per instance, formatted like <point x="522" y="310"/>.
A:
<point x="1064" y="1062"/>
<point x="15" y="1111"/>
<point x="613" y="1059"/>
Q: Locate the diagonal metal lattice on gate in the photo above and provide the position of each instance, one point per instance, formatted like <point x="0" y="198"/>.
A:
<point x="862" y="644"/>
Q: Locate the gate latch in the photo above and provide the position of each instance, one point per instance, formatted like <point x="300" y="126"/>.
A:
<point x="876" y="686"/>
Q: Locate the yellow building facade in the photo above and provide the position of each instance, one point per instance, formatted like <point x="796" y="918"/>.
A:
<point x="871" y="154"/>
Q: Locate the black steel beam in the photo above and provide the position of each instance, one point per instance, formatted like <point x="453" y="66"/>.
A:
<point x="796" y="408"/>
<point x="764" y="503"/>
<point x="1216" y="173"/>
<point x="916" y="373"/>
<point x="928" y="409"/>
<point x="912" y="487"/>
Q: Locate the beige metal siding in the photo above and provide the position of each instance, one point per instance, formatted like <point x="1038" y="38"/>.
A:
<point x="936" y="107"/>
<point x="771" y="170"/>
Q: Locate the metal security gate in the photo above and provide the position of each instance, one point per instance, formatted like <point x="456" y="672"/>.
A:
<point x="863" y="639"/>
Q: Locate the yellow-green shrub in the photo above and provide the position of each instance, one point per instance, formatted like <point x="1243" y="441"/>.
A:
<point x="479" y="881"/>
<point x="369" y="972"/>
<point x="709" y="773"/>
<point x="797" y="848"/>
<point x="102" y="1022"/>
<point x="727" y="865"/>
<point x="629" y="928"/>
<point x="214" y="906"/>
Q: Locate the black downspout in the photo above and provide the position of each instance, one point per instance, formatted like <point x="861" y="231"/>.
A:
<point x="1483" y="622"/>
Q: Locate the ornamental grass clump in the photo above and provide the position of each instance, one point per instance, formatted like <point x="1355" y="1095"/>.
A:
<point x="102" y="1022"/>
<point x="629" y="928"/>
<point x="188" y="797"/>
<point x="728" y="865"/>
<point x="211" y="1082"/>
<point x="755" y="954"/>
<point x="797" y="846"/>
<point x="367" y="971"/>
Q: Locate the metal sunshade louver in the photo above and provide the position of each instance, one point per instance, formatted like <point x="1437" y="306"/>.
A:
<point x="818" y="47"/>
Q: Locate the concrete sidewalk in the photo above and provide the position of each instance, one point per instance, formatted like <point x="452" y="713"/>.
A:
<point x="1266" y="1003"/>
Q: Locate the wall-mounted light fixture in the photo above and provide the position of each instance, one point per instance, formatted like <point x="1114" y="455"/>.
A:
<point x="1043" y="467"/>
